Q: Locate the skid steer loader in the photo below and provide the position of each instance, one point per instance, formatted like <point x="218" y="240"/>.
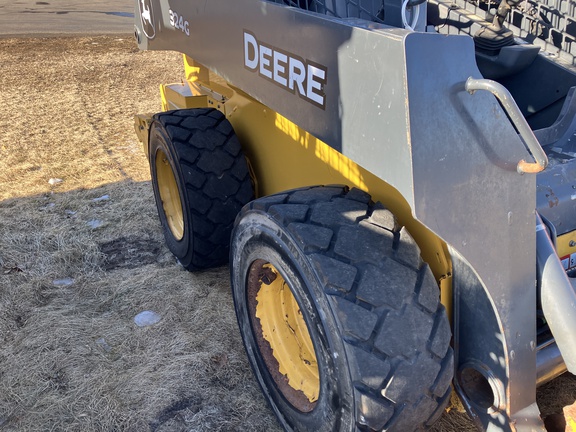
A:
<point x="393" y="184"/>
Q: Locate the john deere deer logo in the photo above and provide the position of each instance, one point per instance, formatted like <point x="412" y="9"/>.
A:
<point x="147" y="18"/>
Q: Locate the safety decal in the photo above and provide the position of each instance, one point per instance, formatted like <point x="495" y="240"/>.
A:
<point x="569" y="261"/>
<point x="147" y="18"/>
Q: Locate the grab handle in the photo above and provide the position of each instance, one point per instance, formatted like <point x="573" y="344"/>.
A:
<point x="519" y="121"/>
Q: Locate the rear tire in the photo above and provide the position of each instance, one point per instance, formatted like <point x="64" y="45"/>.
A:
<point x="379" y="337"/>
<point x="201" y="181"/>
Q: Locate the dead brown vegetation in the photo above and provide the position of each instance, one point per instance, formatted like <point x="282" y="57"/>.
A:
<point x="79" y="258"/>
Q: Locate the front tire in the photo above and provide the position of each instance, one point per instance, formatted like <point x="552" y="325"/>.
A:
<point x="200" y="180"/>
<point x="339" y="315"/>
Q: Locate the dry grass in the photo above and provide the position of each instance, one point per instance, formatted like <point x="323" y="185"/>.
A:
<point x="71" y="357"/>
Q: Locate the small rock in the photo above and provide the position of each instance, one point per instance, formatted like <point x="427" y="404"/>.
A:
<point x="103" y="344"/>
<point x="102" y="198"/>
<point x="54" y="181"/>
<point x="95" y="223"/>
<point x="146" y="318"/>
<point x="63" y="282"/>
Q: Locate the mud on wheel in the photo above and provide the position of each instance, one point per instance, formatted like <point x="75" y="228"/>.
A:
<point x="340" y="317"/>
<point x="201" y="181"/>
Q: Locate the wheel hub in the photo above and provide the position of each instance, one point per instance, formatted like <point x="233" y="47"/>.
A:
<point x="279" y="325"/>
<point x="170" y="196"/>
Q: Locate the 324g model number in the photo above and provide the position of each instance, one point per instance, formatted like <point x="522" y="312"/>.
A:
<point x="179" y="23"/>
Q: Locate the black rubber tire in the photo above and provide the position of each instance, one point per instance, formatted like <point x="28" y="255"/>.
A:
<point x="380" y="334"/>
<point x="213" y="182"/>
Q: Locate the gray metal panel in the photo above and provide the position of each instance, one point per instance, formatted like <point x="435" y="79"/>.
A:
<point x="373" y="106"/>
<point x="365" y="112"/>
<point x="467" y="190"/>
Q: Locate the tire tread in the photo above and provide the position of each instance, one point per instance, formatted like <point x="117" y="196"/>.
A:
<point x="395" y="346"/>
<point x="216" y="179"/>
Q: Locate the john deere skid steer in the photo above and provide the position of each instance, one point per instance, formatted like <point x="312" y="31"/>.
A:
<point x="393" y="184"/>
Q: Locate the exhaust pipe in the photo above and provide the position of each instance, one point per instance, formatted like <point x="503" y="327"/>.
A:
<point x="557" y="295"/>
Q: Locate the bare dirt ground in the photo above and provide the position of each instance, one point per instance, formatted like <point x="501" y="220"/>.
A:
<point x="81" y="253"/>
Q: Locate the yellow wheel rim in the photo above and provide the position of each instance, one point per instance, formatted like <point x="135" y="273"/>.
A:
<point x="170" y="196"/>
<point x="282" y="326"/>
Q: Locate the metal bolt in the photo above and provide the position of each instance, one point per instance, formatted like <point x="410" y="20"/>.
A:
<point x="572" y="243"/>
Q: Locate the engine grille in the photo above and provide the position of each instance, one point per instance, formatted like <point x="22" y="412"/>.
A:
<point x="371" y="10"/>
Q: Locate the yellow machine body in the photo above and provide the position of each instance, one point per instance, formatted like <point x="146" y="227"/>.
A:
<point x="283" y="156"/>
